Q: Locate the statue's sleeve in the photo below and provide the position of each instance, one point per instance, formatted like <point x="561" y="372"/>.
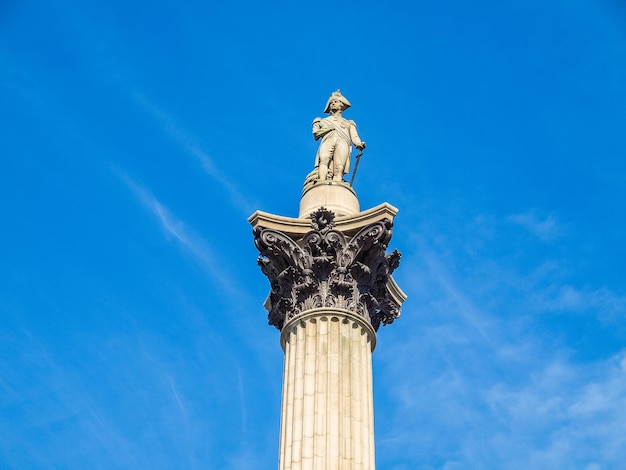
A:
<point x="354" y="136"/>
<point x="320" y="128"/>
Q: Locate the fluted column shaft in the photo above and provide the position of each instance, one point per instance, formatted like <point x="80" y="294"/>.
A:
<point x="327" y="420"/>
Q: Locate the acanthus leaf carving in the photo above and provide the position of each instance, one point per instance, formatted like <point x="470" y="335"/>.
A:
<point x="324" y="269"/>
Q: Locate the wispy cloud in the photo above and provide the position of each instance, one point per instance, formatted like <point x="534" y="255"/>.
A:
<point x="183" y="234"/>
<point x="474" y="379"/>
<point x="566" y="416"/>
<point x="604" y="304"/>
<point x="517" y="404"/>
<point x="545" y="228"/>
<point x="69" y="413"/>
<point x="216" y="265"/>
<point x="189" y="143"/>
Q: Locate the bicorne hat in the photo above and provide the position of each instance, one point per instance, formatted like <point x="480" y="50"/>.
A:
<point x="337" y="96"/>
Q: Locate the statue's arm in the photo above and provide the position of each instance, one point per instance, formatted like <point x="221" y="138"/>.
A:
<point x="354" y="137"/>
<point x="321" y="128"/>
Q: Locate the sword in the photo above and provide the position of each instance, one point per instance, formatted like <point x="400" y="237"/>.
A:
<point x="356" y="165"/>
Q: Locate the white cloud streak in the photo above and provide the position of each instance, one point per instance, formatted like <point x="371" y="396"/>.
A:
<point x="546" y="228"/>
<point x="188" y="143"/>
<point x="566" y="298"/>
<point x="567" y="416"/>
<point x="476" y="382"/>
<point x="183" y="234"/>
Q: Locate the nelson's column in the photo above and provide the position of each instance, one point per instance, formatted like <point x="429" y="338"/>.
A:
<point x="330" y="290"/>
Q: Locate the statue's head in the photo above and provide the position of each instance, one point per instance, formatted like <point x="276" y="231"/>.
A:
<point x="337" y="96"/>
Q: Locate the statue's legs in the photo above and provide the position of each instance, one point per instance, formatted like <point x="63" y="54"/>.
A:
<point x="336" y="150"/>
<point x="325" y="153"/>
<point x="340" y="159"/>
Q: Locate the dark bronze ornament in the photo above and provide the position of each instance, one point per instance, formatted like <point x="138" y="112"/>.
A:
<point x="325" y="269"/>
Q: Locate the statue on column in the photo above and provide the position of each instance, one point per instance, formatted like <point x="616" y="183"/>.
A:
<point x="338" y="135"/>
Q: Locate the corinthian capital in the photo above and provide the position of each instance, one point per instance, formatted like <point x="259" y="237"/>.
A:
<point x="325" y="268"/>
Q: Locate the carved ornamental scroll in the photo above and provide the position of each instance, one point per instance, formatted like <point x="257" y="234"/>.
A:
<point x="326" y="269"/>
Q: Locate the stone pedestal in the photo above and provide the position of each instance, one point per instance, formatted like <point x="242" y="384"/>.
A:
<point x="338" y="197"/>
<point x="330" y="290"/>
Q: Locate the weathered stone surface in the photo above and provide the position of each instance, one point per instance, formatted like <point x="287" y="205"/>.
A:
<point x="337" y="197"/>
<point x="327" y="419"/>
<point x="326" y="269"/>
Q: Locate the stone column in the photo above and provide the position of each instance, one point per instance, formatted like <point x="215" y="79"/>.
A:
<point x="327" y="418"/>
<point x="330" y="290"/>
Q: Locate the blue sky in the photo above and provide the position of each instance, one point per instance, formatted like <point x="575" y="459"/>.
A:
<point x="138" y="137"/>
